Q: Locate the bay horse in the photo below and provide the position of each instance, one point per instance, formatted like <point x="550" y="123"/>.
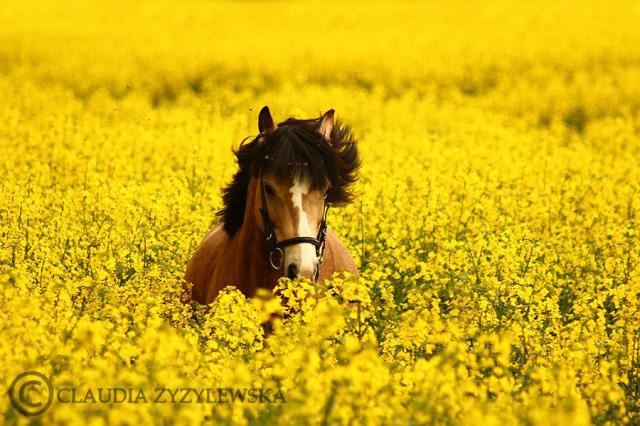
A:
<point x="273" y="222"/>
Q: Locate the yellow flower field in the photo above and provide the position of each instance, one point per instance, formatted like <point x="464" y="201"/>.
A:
<point x="496" y="225"/>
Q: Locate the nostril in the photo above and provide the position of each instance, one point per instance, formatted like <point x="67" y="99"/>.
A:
<point x="292" y="271"/>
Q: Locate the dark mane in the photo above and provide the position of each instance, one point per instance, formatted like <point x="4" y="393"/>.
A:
<point x="295" y="147"/>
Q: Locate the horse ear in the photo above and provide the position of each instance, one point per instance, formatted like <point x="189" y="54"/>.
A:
<point x="326" y="124"/>
<point x="265" y="121"/>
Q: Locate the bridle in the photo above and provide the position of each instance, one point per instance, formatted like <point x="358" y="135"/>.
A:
<point x="277" y="247"/>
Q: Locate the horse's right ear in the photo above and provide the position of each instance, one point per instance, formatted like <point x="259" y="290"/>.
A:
<point x="265" y="121"/>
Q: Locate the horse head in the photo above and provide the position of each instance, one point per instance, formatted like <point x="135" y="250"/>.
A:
<point x="288" y="177"/>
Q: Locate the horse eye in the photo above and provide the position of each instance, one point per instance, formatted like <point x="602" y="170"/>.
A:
<point x="269" y="189"/>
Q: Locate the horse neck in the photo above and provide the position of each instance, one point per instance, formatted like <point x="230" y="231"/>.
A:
<point x="250" y="247"/>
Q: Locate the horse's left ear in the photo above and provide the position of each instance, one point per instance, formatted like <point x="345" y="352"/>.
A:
<point x="326" y="124"/>
<point x="265" y="121"/>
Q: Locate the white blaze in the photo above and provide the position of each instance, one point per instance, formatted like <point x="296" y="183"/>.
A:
<point x="303" y="255"/>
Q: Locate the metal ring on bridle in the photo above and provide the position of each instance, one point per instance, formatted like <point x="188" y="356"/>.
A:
<point x="281" y="258"/>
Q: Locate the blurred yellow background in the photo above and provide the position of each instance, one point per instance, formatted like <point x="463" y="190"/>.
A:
<point x="496" y="224"/>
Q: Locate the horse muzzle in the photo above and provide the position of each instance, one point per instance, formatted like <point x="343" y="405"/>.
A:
<point x="301" y="261"/>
